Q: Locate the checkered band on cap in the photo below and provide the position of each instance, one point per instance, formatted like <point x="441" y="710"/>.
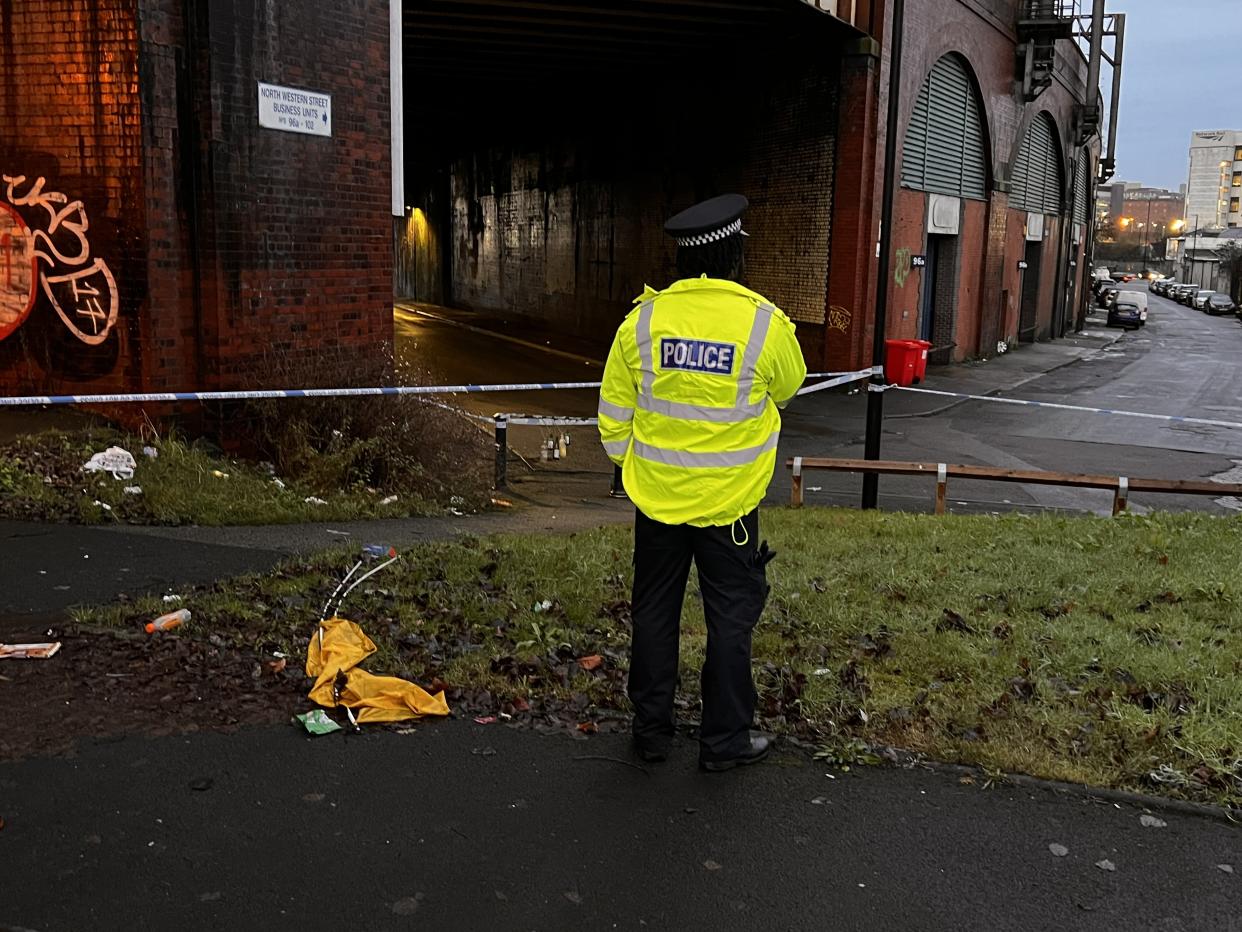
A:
<point x="702" y="239"/>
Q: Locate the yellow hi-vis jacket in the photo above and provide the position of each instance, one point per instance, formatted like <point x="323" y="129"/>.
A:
<point x="688" y="404"/>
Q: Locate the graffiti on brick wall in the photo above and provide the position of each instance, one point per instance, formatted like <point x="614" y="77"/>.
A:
<point x="839" y="318"/>
<point x="51" y="251"/>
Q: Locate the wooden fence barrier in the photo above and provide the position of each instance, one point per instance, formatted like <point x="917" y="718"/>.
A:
<point x="1121" y="486"/>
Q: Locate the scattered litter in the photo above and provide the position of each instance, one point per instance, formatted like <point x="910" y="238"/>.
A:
<point x="317" y="722"/>
<point x="406" y="731"/>
<point x="502" y="503"/>
<point x="171" y="598"/>
<point x="133" y="490"/>
<point x="541" y="607"/>
<point x="114" y="460"/>
<point x="1226" y="868"/>
<point x="375" y="551"/>
<point x="278" y="653"/>
<point x="28" y="651"/>
<point x="457" y="500"/>
<point x="338" y="533"/>
<point x="202" y="785"/>
<point x="102" y="505"/>
<point x="1059" y="851"/>
<point x="712" y="865"/>
<point x="219" y="475"/>
<point x="573" y="897"/>
<point x="822" y="671"/>
<point x="1106" y="865"/>
<point x="485" y="720"/>
<point x="1150" y="821"/>
<point x="314" y="500"/>
<point x="278" y="483"/>
<point x="388" y="500"/>
<point x="593" y="662"/>
<point x="272" y="667"/>
<point x="506" y="716"/>
<point x="151" y="453"/>
<point x="819" y="801"/>
<point x="168" y="622"/>
<point x="483" y="752"/>
<point x="815" y="488"/>
<point x="456" y="513"/>
<point x="588" y="728"/>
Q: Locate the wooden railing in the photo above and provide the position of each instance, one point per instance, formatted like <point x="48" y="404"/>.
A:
<point x="1121" y="486"/>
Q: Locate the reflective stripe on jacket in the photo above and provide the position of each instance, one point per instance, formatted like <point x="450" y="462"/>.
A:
<point x="688" y="405"/>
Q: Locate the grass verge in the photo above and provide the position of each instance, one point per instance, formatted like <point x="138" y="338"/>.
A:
<point x="1096" y="651"/>
<point x="41" y="478"/>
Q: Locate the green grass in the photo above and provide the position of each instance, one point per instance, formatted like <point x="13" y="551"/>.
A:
<point x="1099" y="651"/>
<point x="41" y="478"/>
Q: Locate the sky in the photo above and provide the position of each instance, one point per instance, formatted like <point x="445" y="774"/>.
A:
<point x="1181" y="73"/>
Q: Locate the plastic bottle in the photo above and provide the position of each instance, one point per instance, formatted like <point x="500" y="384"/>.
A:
<point x="168" y="622"/>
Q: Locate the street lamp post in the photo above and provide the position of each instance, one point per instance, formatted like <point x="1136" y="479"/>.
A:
<point x="875" y="394"/>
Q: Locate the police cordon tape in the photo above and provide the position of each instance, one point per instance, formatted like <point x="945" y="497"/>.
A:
<point x="522" y="420"/>
<point x="836" y="378"/>
<point x="1172" y="418"/>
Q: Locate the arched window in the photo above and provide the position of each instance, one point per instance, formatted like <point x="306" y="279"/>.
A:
<point x="946" y="145"/>
<point x="1038" y="180"/>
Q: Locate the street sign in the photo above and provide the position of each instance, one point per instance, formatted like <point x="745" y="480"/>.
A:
<point x="295" y="111"/>
<point x="918" y="262"/>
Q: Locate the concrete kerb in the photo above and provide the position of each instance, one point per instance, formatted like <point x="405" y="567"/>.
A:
<point x="1114" y="338"/>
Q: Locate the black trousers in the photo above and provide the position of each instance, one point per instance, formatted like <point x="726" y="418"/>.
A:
<point x="734" y="586"/>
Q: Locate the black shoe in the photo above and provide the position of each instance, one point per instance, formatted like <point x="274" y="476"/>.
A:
<point x="651" y="751"/>
<point x="760" y="747"/>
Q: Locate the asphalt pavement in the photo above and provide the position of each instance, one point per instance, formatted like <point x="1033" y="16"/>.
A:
<point x="462" y="826"/>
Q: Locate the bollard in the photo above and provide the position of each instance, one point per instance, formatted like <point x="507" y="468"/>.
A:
<point x="502" y="451"/>
<point x="618" y="487"/>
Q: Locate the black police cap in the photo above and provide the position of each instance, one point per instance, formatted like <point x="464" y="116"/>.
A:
<point x="709" y="221"/>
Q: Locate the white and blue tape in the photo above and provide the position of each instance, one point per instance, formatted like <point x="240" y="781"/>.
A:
<point x="1172" y="418"/>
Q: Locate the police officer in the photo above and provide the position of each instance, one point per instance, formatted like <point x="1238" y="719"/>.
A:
<point x="688" y="409"/>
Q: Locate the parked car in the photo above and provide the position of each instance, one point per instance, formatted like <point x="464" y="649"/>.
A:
<point x="1107" y="296"/>
<point x="1220" y="304"/>
<point x="1129" y="310"/>
<point x="1201" y="299"/>
<point x="1162" y="286"/>
<point x="1185" y="294"/>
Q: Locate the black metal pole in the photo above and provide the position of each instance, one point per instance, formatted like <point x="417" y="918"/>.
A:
<point x="618" y="486"/>
<point x="502" y="451"/>
<point x="875" y="397"/>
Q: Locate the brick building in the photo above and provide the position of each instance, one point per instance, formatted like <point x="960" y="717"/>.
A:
<point x="152" y="234"/>
<point x="552" y="144"/>
<point x="163" y="228"/>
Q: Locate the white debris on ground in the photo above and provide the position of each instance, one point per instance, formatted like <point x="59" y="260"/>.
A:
<point x="120" y="463"/>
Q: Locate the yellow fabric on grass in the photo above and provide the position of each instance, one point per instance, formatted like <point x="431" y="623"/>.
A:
<point x="338" y="647"/>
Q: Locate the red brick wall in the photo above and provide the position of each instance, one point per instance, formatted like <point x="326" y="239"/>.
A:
<point x="905" y="284"/>
<point x="224" y="242"/>
<point x="69" y="115"/>
<point x="302" y="224"/>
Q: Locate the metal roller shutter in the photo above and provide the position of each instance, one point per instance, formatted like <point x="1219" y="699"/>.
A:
<point x="1037" y="176"/>
<point x="945" y="143"/>
<point x="1082" y="190"/>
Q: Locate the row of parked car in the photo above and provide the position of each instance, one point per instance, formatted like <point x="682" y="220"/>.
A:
<point x="1126" y="305"/>
<point x="1203" y="299"/>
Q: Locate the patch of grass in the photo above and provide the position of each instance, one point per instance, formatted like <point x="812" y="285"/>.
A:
<point x="1090" y="650"/>
<point x="41" y="478"/>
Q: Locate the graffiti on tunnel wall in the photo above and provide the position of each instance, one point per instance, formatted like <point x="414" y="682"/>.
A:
<point x="44" y="246"/>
